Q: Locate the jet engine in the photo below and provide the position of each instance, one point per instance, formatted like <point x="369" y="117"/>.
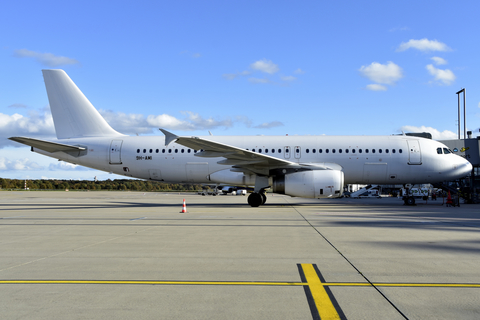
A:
<point x="310" y="184"/>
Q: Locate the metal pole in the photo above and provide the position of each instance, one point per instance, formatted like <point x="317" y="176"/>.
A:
<point x="464" y="114"/>
<point x="459" y="118"/>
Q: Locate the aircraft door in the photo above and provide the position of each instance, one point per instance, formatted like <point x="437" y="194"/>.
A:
<point x="286" y="152"/>
<point x="115" y="152"/>
<point x="414" y="154"/>
<point x="298" y="152"/>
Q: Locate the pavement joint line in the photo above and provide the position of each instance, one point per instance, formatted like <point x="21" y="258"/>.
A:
<point x="349" y="262"/>
<point x="245" y="283"/>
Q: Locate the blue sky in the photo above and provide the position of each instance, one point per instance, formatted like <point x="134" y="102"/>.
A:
<point x="238" y="67"/>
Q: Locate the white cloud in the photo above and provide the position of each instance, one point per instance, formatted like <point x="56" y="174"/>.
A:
<point x="423" y="45"/>
<point x="126" y="123"/>
<point x="269" y="125"/>
<point x="19" y="164"/>
<point x="18" y="106"/>
<point x="46" y="59"/>
<point x="288" y="78"/>
<point x="376" y="87"/>
<point x="265" y="66"/>
<point x="258" y="80"/>
<point x="382" y="73"/>
<point x="299" y="71"/>
<point x="445" y="77"/>
<point x="65" y="166"/>
<point x="436" y="134"/>
<point x="230" y="76"/>
<point x="399" y="29"/>
<point x="38" y="124"/>
<point x="439" y="61"/>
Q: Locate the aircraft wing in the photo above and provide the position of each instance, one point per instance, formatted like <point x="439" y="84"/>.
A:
<point x="242" y="159"/>
<point x="46" y="145"/>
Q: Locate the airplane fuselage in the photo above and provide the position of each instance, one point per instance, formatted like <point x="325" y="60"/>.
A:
<point x="363" y="159"/>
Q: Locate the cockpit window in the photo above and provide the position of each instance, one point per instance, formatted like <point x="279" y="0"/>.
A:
<point x="446" y="151"/>
<point x="439" y="150"/>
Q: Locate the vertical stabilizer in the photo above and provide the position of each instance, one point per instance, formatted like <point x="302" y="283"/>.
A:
<point x="73" y="115"/>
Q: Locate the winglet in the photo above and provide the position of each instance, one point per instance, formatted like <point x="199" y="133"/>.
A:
<point x="169" y="137"/>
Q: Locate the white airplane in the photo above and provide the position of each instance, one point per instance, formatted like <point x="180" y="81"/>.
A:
<point x="299" y="166"/>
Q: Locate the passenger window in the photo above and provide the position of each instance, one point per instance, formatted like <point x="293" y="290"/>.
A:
<point x="339" y="150"/>
<point x="144" y="150"/>
<point x="346" y="150"/>
<point x="169" y="150"/>
<point x="189" y="150"/>
<point x="366" y="150"/>
<point x="307" y="150"/>
<point x="400" y="151"/>
<point x="273" y="150"/>
<point x="163" y="150"/>
<point x="183" y="150"/>
<point x="138" y="150"/>
<point x="353" y="150"/>
<point x="327" y="151"/>
<point x="320" y="150"/>
<point x="279" y="150"/>
<point x="360" y="150"/>
<point x="266" y="150"/>
<point x="259" y="150"/>
<point x="176" y="150"/>
<point x="373" y="150"/>
<point x="156" y="151"/>
<point x="297" y="150"/>
<point x="253" y="150"/>
<point x="446" y="151"/>
<point x="314" y="150"/>
<point x="393" y="150"/>
<point x="386" y="150"/>
<point x="333" y="150"/>
<point x="379" y="150"/>
<point x="439" y="150"/>
<point x="151" y="151"/>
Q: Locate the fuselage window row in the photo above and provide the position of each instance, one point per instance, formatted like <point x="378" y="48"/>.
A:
<point x="439" y="150"/>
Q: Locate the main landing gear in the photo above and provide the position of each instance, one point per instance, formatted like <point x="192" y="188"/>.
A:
<point x="256" y="199"/>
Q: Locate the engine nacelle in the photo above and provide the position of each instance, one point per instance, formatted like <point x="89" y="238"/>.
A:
<point x="310" y="184"/>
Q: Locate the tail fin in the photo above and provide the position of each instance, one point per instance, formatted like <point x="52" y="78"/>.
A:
<point x="73" y="115"/>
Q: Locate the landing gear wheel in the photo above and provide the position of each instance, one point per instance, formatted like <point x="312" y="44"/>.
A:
<point x="264" y="198"/>
<point x="255" y="199"/>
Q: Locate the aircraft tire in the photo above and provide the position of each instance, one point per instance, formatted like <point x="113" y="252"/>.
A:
<point x="255" y="199"/>
<point x="264" y="198"/>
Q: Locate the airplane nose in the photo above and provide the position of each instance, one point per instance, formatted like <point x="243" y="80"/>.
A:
<point x="463" y="168"/>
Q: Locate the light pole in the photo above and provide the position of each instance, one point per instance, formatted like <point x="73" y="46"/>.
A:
<point x="464" y="115"/>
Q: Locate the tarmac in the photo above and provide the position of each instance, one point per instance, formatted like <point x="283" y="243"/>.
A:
<point x="124" y="255"/>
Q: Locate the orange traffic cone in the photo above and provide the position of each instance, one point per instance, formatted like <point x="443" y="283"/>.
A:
<point x="184" y="209"/>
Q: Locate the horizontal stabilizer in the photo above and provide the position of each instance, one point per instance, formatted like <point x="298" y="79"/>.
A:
<point x="46" y="145"/>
